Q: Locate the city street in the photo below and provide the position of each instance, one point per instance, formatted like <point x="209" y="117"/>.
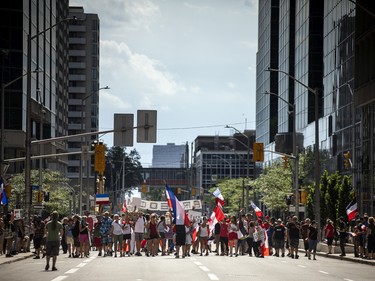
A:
<point x="190" y="268"/>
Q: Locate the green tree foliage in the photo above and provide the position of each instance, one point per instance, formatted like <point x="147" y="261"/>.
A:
<point x="115" y="157"/>
<point x="273" y="185"/>
<point x="331" y="196"/>
<point x="53" y="182"/>
<point x="346" y="194"/>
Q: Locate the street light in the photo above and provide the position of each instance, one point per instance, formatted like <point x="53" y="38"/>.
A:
<point x="248" y="167"/>
<point x="28" y="117"/>
<point x="316" y="150"/>
<point x="295" y="150"/>
<point x="82" y="158"/>
<point x="229" y="163"/>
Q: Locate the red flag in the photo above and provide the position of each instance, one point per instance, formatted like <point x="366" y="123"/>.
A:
<point x="124" y="208"/>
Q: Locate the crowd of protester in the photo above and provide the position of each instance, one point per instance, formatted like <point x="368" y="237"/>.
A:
<point x="138" y="234"/>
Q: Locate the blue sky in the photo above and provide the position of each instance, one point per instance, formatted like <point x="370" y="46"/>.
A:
<point x="193" y="61"/>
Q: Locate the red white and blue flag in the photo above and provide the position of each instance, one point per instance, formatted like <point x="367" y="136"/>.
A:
<point x="352" y="209"/>
<point x="258" y="212"/>
<point x="3" y="196"/>
<point x="216" y="216"/>
<point x="180" y="216"/>
<point x="219" y="197"/>
<point x="102" y="199"/>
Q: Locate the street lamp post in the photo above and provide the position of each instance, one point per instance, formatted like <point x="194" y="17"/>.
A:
<point x="83" y="156"/>
<point x="316" y="150"/>
<point x="28" y="118"/>
<point x="228" y="162"/>
<point x="295" y="151"/>
<point x="248" y="167"/>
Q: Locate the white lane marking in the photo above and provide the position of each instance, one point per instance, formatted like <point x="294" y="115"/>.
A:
<point x="87" y="260"/>
<point x="70" y="271"/>
<point x="324" y="272"/>
<point x="59" y="278"/>
<point x="301" y="266"/>
<point x="212" y="276"/>
<point x="348" y="279"/>
<point x="204" y="268"/>
<point x="198" y="263"/>
<point x="81" y="265"/>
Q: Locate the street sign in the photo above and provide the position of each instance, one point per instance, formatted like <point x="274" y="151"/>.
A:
<point x="123" y="129"/>
<point x="39" y="207"/>
<point x="146" y="126"/>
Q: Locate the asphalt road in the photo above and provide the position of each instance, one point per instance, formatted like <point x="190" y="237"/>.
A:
<point x="213" y="267"/>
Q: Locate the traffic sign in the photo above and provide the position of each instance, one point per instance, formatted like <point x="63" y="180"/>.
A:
<point x="39" y="207"/>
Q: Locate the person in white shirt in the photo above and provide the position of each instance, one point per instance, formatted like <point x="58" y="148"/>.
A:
<point x="139" y="229"/>
<point x="116" y="232"/>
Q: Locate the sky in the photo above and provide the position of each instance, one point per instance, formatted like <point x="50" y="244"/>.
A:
<point x="194" y="61"/>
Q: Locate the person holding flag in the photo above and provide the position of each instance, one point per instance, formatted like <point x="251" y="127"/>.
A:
<point x="180" y="220"/>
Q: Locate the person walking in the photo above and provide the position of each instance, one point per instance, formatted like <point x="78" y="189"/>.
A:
<point x="232" y="236"/>
<point x="329" y="234"/>
<point x="342" y="236"/>
<point x="54" y="232"/>
<point x="203" y="233"/>
<point x="312" y="237"/>
<point x="116" y="232"/>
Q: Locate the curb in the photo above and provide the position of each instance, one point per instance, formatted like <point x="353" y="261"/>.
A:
<point x="346" y="258"/>
<point x="17" y="259"/>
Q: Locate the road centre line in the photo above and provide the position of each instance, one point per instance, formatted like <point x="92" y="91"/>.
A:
<point x="73" y="270"/>
<point x="212" y="276"/>
<point x="324" y="272"/>
<point x="204" y="268"/>
<point x="59" y="278"/>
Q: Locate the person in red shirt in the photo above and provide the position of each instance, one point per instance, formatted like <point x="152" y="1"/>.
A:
<point x="329" y="234"/>
<point x="224" y="237"/>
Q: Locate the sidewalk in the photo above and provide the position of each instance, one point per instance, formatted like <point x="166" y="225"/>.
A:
<point x="18" y="257"/>
<point x="349" y="257"/>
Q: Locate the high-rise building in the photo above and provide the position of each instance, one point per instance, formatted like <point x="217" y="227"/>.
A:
<point x="83" y="92"/>
<point x="169" y="156"/>
<point x="18" y="20"/>
<point x="326" y="45"/>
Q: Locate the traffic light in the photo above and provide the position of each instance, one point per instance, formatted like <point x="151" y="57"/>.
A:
<point x="303" y="197"/>
<point x="144" y="188"/>
<point x="39" y="197"/>
<point x="347" y="161"/>
<point x="258" y="149"/>
<point x="99" y="163"/>
<point x="193" y="192"/>
<point x="285" y="162"/>
<point x="8" y="191"/>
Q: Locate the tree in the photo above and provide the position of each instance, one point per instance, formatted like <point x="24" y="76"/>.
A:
<point x="346" y="194"/>
<point x="114" y="173"/>
<point x="53" y="182"/>
<point x="273" y="186"/>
